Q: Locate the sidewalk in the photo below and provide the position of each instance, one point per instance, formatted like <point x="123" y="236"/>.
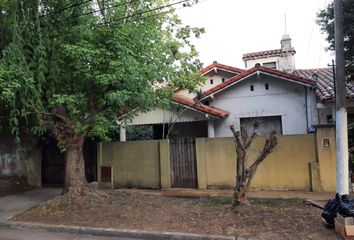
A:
<point x="12" y="205"/>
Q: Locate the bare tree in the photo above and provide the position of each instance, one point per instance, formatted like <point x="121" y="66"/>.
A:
<point x="245" y="175"/>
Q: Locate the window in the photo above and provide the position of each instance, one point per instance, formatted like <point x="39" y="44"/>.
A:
<point x="266" y="86"/>
<point x="271" y="65"/>
<point x="266" y="125"/>
<point x="252" y="88"/>
<point x="211" y="81"/>
<point x="223" y="79"/>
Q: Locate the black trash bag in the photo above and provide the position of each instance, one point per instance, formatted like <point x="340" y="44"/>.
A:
<point x="330" y="211"/>
<point x="346" y="205"/>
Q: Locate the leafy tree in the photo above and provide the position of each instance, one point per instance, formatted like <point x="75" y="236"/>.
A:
<point x="325" y="19"/>
<point x="71" y="67"/>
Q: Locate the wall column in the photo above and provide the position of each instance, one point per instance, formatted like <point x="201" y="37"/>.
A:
<point x="201" y="163"/>
<point x="122" y="133"/>
<point x="211" y="130"/>
<point x="165" y="165"/>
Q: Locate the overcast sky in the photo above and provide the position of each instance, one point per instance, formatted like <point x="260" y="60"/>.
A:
<point x="234" y="27"/>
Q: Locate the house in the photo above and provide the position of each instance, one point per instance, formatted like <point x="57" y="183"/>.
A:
<point x="270" y="90"/>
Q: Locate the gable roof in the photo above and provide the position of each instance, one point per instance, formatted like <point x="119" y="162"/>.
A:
<point x="250" y="72"/>
<point x="324" y="82"/>
<point x="216" y="112"/>
<point x="220" y="66"/>
<point x="267" y="53"/>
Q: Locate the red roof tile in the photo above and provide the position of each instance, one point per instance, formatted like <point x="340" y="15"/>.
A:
<point x="274" y="52"/>
<point x="233" y="80"/>
<point x="324" y="82"/>
<point x="220" y="66"/>
<point x="216" y="112"/>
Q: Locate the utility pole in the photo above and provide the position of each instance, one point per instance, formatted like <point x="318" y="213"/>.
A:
<point x="342" y="165"/>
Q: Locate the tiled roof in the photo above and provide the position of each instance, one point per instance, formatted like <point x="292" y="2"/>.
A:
<point x="220" y="66"/>
<point x="233" y="80"/>
<point x="216" y="112"/>
<point x="274" y="52"/>
<point x="324" y="82"/>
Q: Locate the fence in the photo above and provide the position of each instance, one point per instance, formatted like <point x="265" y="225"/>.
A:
<point x="299" y="162"/>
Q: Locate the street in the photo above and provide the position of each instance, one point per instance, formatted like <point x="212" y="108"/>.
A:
<point x="28" y="234"/>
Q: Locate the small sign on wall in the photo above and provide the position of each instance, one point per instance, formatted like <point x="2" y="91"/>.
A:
<point x="326" y="142"/>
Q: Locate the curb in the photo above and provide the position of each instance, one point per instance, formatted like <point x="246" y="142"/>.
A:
<point x="114" y="232"/>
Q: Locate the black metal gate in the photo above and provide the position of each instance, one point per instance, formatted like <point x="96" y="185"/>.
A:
<point x="183" y="163"/>
<point x="53" y="162"/>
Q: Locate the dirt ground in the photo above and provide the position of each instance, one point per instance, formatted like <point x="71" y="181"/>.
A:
<point x="265" y="219"/>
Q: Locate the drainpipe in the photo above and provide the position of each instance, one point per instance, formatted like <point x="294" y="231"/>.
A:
<point x="307" y="110"/>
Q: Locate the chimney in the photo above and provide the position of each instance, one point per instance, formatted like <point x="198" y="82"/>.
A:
<point x="287" y="58"/>
<point x="285" y="42"/>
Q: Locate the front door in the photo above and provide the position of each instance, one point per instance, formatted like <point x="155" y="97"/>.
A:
<point x="183" y="163"/>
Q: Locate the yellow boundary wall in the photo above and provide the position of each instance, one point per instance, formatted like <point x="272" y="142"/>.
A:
<point x="299" y="162"/>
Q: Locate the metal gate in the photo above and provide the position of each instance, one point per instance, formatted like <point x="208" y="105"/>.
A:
<point x="183" y="163"/>
<point x="53" y="164"/>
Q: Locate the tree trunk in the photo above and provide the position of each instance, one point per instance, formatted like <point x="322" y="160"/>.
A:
<point x="245" y="175"/>
<point x="75" y="179"/>
<point x="240" y="196"/>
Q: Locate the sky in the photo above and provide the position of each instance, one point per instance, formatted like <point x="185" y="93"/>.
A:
<point x="234" y="27"/>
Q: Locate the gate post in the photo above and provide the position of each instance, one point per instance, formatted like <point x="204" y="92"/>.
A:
<point x="201" y="165"/>
<point x="165" y="165"/>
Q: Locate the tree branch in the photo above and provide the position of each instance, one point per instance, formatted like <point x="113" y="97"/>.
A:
<point x="255" y="134"/>
<point x="270" y="143"/>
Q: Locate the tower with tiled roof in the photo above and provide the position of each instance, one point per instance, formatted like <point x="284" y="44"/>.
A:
<point x="282" y="59"/>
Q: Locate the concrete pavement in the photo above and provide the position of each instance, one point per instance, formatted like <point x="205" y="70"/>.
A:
<point x="35" y="234"/>
<point x="12" y="205"/>
<point x="112" y="232"/>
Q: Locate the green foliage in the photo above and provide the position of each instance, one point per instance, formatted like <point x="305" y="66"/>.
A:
<point x="73" y="73"/>
<point x="325" y="19"/>
<point x="133" y="133"/>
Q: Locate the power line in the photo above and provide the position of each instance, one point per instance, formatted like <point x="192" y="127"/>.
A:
<point x="98" y="10"/>
<point x="115" y="21"/>
<point x="146" y="11"/>
<point x="66" y="8"/>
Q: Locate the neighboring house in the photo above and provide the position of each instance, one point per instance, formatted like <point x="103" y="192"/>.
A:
<point x="270" y="90"/>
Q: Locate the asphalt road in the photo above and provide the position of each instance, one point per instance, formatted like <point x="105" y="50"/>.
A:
<point x="28" y="234"/>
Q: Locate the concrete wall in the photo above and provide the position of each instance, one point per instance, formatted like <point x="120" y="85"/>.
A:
<point x="283" y="98"/>
<point x="299" y="162"/>
<point x="285" y="169"/>
<point x="20" y="160"/>
<point x="135" y="164"/>
<point x="326" y="158"/>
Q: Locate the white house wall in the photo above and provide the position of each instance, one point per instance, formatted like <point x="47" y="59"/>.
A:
<point x="250" y="63"/>
<point x="324" y="110"/>
<point x="217" y="79"/>
<point x="284" y="98"/>
<point x="159" y="116"/>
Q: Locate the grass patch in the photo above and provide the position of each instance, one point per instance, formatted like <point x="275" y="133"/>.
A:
<point x="216" y="201"/>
